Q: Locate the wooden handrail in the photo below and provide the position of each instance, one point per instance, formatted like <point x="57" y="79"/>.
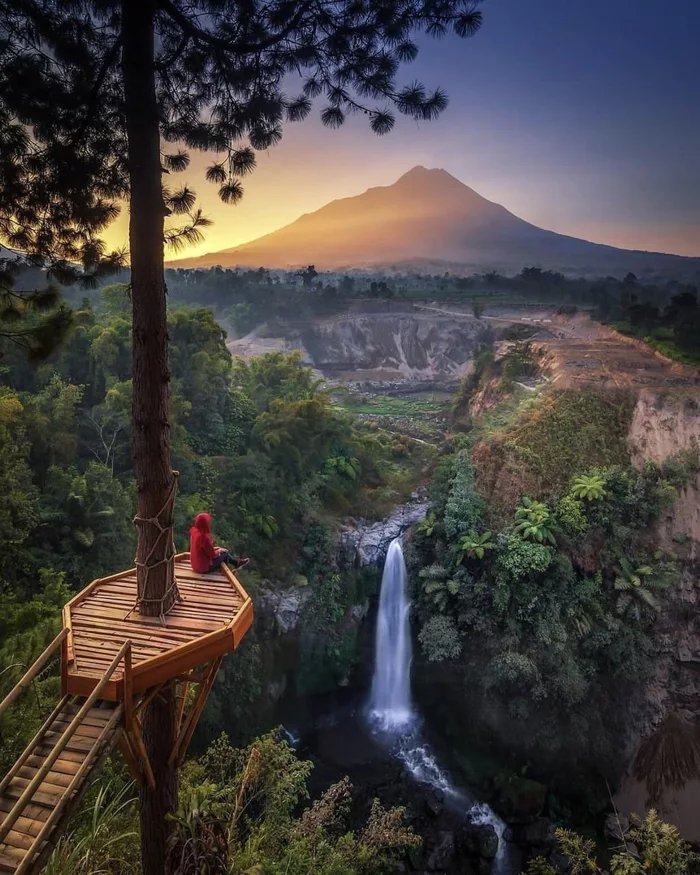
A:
<point x="27" y="752"/>
<point x="32" y="672"/>
<point x="25" y="797"/>
<point x="26" y="864"/>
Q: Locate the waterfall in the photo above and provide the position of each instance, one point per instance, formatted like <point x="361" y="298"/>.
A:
<point x="390" y="710"/>
<point x="390" y="698"/>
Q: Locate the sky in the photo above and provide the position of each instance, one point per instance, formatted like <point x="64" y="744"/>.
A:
<point x="581" y="117"/>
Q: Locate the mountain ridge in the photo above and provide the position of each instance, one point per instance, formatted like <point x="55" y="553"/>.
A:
<point x="430" y="215"/>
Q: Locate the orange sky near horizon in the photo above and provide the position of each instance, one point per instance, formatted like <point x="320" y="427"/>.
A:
<point x="302" y="174"/>
<point x="552" y="114"/>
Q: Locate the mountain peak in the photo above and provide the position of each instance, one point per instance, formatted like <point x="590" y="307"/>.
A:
<point x="419" y="172"/>
<point x="426" y="215"/>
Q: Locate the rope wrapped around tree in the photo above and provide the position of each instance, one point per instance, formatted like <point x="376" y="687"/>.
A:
<point x="146" y="566"/>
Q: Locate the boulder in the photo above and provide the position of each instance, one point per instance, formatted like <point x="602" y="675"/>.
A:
<point x="365" y="543"/>
<point x="285" y="607"/>
<point x="435" y="801"/>
<point x="477" y="840"/>
<point x="442" y="854"/>
<point x="520" y="800"/>
<point x="538" y="833"/>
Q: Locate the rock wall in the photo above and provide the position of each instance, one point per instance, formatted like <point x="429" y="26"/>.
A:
<point x="364" y="543"/>
<point x="664" y="424"/>
<point x="406" y="345"/>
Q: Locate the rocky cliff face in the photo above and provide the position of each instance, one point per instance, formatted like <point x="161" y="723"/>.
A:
<point x="663" y="425"/>
<point x="363" y="543"/>
<point x="402" y="345"/>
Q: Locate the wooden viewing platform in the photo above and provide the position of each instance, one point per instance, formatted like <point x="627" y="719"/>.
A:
<point x="113" y="661"/>
<point x="212" y="619"/>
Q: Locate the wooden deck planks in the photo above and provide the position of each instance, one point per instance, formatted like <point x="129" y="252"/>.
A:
<point x="101" y="618"/>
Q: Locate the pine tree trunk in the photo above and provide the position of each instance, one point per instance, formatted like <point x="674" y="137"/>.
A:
<point x="150" y="406"/>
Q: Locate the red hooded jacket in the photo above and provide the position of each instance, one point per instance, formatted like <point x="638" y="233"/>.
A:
<point x="202" y="549"/>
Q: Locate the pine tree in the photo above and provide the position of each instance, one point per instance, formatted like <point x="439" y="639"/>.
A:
<point x="101" y="99"/>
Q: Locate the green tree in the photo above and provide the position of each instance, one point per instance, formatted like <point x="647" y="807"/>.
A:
<point x="18" y="509"/>
<point x="649" y="847"/>
<point x="475" y="545"/>
<point x="439" y="639"/>
<point x="589" y="487"/>
<point x="464" y="506"/>
<point x="533" y="521"/>
<point x="637" y="586"/>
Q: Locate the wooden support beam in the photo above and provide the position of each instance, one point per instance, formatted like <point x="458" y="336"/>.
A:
<point x="186" y="732"/>
<point x="128" y="687"/>
<point x="146" y="700"/>
<point x="184" y="689"/>
<point x="136" y="738"/>
<point x="130" y="758"/>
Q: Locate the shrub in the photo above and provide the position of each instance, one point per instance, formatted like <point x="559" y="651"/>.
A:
<point x="570" y="516"/>
<point x="534" y="521"/>
<point x="439" y="639"/>
<point x="518" y="558"/>
<point x="589" y="487"/>
<point x="464" y="507"/>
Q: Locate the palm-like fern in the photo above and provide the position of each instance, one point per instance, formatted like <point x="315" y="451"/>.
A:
<point x="589" y="487"/>
<point x="534" y="521"/>
<point x="427" y="525"/>
<point x="437" y="587"/>
<point x="475" y="545"/>
<point x="636" y="585"/>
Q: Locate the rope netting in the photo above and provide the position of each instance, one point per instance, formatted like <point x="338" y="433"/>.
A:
<point x="164" y="541"/>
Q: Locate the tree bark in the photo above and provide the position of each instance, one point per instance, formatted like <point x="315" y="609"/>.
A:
<point x="151" y="395"/>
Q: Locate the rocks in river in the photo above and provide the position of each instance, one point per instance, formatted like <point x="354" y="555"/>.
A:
<point x="364" y="543"/>
<point x="616" y="826"/>
<point x="435" y="801"/>
<point x="539" y="833"/>
<point x="442" y="854"/>
<point x="477" y="840"/>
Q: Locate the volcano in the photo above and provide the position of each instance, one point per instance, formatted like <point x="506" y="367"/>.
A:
<point x="429" y="219"/>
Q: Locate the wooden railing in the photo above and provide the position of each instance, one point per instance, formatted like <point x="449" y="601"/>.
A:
<point x="25" y="797"/>
<point x="32" y="672"/>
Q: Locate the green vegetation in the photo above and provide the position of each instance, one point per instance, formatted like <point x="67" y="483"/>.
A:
<point x="649" y="847"/>
<point x="259" y="444"/>
<point x="536" y="576"/>
<point x="421" y="415"/>
<point x="673" y="329"/>
<point x="240" y="811"/>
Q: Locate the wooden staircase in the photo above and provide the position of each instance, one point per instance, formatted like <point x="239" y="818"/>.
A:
<point x="113" y="662"/>
<point x="47" y="781"/>
<point x="37" y="814"/>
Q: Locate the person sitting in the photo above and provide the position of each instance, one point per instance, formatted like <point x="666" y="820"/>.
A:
<point x="205" y="556"/>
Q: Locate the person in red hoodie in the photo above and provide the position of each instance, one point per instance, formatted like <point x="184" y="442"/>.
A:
<point x="205" y="556"/>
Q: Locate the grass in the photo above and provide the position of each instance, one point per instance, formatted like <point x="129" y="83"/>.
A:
<point x="661" y="339"/>
<point x="506" y="412"/>
<point x="418" y="405"/>
<point x="568" y="432"/>
<point x="421" y="415"/>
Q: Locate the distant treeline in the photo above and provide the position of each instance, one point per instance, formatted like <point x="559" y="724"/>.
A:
<point x="665" y="312"/>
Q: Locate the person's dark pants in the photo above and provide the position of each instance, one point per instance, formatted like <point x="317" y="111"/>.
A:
<point x="220" y="558"/>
